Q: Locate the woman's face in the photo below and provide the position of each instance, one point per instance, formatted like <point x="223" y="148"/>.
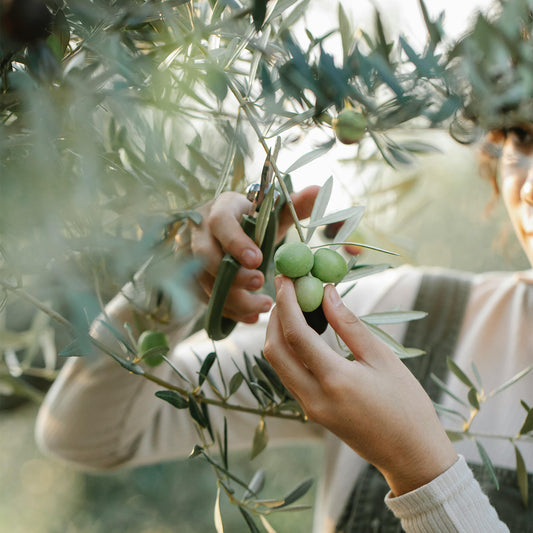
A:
<point x="516" y="182"/>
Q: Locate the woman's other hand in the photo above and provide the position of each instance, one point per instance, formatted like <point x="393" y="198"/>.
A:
<point x="220" y="233"/>
<point x="374" y="403"/>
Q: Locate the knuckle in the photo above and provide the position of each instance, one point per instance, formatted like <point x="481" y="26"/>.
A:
<point x="292" y="335"/>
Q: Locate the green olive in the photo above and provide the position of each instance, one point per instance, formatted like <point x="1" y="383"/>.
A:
<point x="329" y="266"/>
<point x="309" y="293"/>
<point x="148" y="341"/>
<point x="349" y="126"/>
<point x="294" y="259"/>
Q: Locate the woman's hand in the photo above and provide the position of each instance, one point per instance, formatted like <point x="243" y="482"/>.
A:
<point x="374" y="403"/>
<point x="220" y="233"/>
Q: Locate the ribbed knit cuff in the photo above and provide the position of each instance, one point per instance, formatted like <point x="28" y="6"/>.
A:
<point x="452" y="502"/>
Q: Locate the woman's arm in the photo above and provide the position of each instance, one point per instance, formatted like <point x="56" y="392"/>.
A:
<point x="380" y="410"/>
<point x="98" y="415"/>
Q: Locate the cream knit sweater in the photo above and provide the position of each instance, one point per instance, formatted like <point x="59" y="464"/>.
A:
<point x="99" y="416"/>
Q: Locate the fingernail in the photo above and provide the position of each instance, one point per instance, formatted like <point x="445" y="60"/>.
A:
<point x="334" y="297"/>
<point x="277" y="282"/>
<point x="250" y="257"/>
<point x="255" y="283"/>
<point x="266" y="306"/>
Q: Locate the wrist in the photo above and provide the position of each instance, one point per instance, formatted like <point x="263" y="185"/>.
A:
<point x="429" y="462"/>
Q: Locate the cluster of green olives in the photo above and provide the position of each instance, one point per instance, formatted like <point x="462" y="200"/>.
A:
<point x="309" y="271"/>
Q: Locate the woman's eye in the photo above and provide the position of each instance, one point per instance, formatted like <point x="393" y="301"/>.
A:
<point x="520" y="136"/>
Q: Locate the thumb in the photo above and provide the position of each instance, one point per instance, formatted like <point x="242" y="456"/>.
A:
<point x="303" y="202"/>
<point x="363" y="344"/>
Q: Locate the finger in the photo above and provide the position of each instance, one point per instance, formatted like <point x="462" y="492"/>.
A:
<point x="363" y="344"/>
<point x="305" y="342"/>
<point x="224" y="224"/>
<point x="294" y="375"/>
<point x="303" y="202"/>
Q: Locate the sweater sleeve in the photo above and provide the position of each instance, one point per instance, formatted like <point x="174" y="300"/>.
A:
<point x="453" y="502"/>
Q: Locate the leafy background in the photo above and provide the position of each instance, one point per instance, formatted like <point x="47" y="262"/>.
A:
<point x="420" y="210"/>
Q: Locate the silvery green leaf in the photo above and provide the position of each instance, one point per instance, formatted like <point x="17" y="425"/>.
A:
<point x="411" y="352"/>
<point x="362" y="271"/>
<point x="527" y="426"/>
<point x="452" y="366"/>
<point x="349" y="226"/>
<point x="298" y="492"/>
<point x="475" y="371"/>
<point x="392" y="343"/>
<point x="447" y="410"/>
<point x="76" y="349"/>
<point x="445" y="389"/>
<point x="256" y="484"/>
<point x="128" y="365"/>
<point x="522" y="475"/>
<point x="338" y="216"/>
<point x="295" y="120"/>
<point x="511" y="381"/>
<point x="487" y="463"/>
<point x="393" y="317"/>
<point x="311" y="156"/>
<point x="345" y="29"/>
<point x="320" y="206"/>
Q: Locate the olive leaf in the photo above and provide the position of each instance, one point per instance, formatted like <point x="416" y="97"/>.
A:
<point x="128" y="365"/>
<point x="173" y="398"/>
<point x="449" y="411"/>
<point x="77" y="348"/>
<point x="311" y="156"/>
<point x="196" y="413"/>
<point x="487" y="463"/>
<point x="473" y="398"/>
<point x="235" y="382"/>
<point x="206" y="367"/>
<point x="338" y="216"/>
<point x="217" y="515"/>
<point x="446" y="390"/>
<point x="455" y="436"/>
<point x="452" y="366"/>
<point x="260" y="439"/>
<point x="249" y="520"/>
<point x="256" y="484"/>
<point x="393" y="317"/>
<point x="361" y="271"/>
<point x="527" y="426"/>
<point x="522" y="475"/>
<point x="511" y="381"/>
<point x="301" y="490"/>
<point x="320" y="206"/>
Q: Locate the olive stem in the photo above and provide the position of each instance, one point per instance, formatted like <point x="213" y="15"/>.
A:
<point x="222" y="403"/>
<point x="251" y="119"/>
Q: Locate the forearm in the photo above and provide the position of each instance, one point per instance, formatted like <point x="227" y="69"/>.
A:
<point x="453" y="502"/>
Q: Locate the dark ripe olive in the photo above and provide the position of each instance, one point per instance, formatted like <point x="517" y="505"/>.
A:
<point x="317" y="320"/>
